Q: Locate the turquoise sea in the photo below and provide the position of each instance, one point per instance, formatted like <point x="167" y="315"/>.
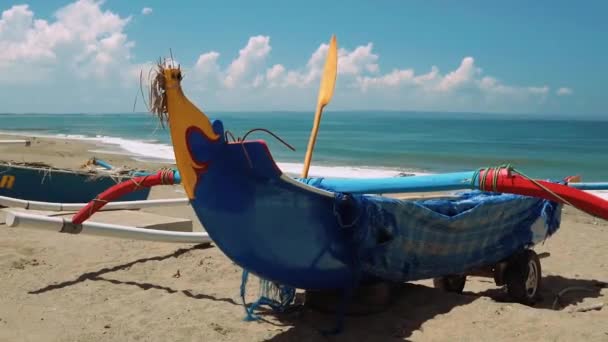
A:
<point x="366" y="143"/>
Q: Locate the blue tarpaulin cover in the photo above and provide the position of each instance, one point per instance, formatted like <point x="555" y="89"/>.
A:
<point x="405" y="240"/>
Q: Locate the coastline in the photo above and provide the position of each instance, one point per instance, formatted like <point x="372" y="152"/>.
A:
<point x="144" y="154"/>
<point x="65" y="153"/>
<point x="364" y="144"/>
<point x="61" y="287"/>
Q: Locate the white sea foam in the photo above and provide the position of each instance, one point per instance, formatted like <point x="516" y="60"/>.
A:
<point x="114" y="145"/>
<point x="163" y="153"/>
<point x="152" y="150"/>
<point x="343" y="171"/>
<point x="148" y="151"/>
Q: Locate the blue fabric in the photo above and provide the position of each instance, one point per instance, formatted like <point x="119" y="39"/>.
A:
<point x="404" y="240"/>
<point x="409" y="240"/>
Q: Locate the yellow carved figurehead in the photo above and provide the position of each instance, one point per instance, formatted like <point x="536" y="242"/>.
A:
<point x="168" y="99"/>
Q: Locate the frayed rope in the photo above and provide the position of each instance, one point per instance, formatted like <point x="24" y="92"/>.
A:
<point x="276" y="296"/>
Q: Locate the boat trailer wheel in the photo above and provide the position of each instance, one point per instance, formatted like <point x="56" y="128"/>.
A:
<point x="523" y="277"/>
<point x="450" y="283"/>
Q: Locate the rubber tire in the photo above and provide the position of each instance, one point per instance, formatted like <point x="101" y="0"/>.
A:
<point x="450" y="283"/>
<point x="516" y="278"/>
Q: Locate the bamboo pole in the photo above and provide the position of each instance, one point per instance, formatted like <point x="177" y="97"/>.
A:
<point x="62" y="225"/>
<point x="15" y="142"/>
<point x="54" y="206"/>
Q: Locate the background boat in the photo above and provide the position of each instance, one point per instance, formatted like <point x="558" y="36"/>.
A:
<point x="41" y="182"/>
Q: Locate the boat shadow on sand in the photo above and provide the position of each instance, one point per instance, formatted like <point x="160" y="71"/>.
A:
<point x="99" y="276"/>
<point x="411" y="304"/>
<point x="414" y="304"/>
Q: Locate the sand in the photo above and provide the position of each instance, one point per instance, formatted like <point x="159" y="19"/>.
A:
<point x="59" y="287"/>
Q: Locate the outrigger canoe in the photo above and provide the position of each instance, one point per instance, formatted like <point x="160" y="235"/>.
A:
<point x="322" y="234"/>
<point x="327" y="234"/>
<point x="318" y="234"/>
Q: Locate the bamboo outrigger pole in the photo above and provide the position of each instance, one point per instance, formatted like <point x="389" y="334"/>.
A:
<point x="63" y="225"/>
<point x="53" y="206"/>
<point x="326" y="91"/>
<point x="15" y="142"/>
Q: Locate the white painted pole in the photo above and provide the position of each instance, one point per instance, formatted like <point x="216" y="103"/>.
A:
<point x="59" y="224"/>
<point x="51" y="206"/>
<point x="15" y="142"/>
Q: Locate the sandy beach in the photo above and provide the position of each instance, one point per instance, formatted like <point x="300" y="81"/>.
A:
<point x="59" y="287"/>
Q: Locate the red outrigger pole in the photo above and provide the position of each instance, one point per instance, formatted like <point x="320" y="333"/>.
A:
<point x="162" y="177"/>
<point x="500" y="179"/>
<point x="506" y="180"/>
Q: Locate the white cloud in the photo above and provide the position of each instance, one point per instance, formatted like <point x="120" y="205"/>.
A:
<point x="563" y="91"/>
<point x="250" y="56"/>
<point x="399" y="77"/>
<point x="207" y="63"/>
<point x="83" y="40"/>
<point x="427" y="78"/>
<point x="205" y="75"/>
<point x="274" y="75"/>
<point x="459" y="77"/>
<point x="489" y="84"/>
<point x="15" y="22"/>
<point x="355" y="62"/>
<point x="350" y="64"/>
<point x="146" y="11"/>
<point x="466" y="85"/>
<point x="392" y="79"/>
<point x="279" y="76"/>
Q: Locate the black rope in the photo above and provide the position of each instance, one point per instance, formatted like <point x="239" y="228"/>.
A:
<point x="226" y="133"/>
<point x="242" y="141"/>
<point x="271" y="133"/>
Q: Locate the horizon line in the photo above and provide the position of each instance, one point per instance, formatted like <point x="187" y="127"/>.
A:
<point x="544" y="115"/>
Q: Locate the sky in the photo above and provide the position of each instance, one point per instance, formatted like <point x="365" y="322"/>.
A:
<point x="502" y="57"/>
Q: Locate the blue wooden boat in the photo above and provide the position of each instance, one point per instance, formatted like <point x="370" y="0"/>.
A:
<point x="40" y="182"/>
<point x="297" y="235"/>
<point x="326" y="234"/>
<point x="288" y="232"/>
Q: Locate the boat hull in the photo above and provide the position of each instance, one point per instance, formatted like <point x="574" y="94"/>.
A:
<point x="272" y="228"/>
<point x="296" y="235"/>
<point x="57" y="185"/>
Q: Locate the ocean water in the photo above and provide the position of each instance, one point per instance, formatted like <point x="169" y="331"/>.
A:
<point x="366" y="144"/>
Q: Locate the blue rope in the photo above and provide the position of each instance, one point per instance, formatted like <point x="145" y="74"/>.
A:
<point x="285" y="294"/>
<point x="356" y="244"/>
<point x="250" y="316"/>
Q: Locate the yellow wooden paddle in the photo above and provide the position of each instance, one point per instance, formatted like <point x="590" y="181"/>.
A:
<point x="326" y="91"/>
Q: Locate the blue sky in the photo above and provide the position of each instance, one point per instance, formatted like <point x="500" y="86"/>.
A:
<point x="544" y="57"/>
